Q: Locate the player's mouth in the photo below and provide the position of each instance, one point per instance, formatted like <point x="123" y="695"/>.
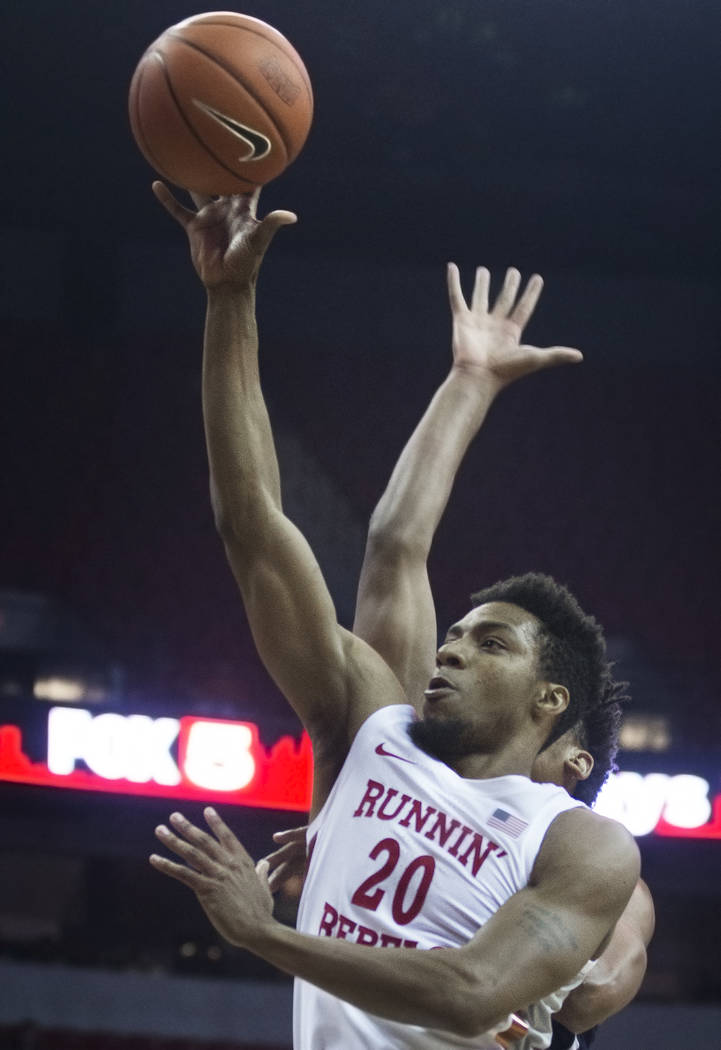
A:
<point x="438" y="687"/>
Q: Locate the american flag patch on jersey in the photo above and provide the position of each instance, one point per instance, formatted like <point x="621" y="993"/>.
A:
<point x="512" y="826"/>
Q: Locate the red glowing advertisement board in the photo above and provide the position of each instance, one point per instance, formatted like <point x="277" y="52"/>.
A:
<point x="224" y="761"/>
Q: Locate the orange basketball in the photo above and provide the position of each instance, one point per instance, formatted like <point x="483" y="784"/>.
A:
<point x="220" y="103"/>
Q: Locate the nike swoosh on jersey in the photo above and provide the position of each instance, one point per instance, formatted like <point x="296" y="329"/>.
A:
<point x="381" y="750"/>
<point x="259" y="145"/>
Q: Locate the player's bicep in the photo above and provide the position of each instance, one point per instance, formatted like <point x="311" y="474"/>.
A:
<point x="396" y="616"/>
<point x="316" y="664"/>
<point x="529" y="948"/>
<point x="542" y="936"/>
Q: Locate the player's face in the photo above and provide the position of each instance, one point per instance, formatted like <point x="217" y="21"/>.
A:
<point x="487" y="677"/>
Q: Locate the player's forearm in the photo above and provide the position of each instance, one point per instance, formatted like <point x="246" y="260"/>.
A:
<point x="241" y="453"/>
<point x="615" y="979"/>
<point x="430" y="988"/>
<point x="412" y="505"/>
<point x="611" y="985"/>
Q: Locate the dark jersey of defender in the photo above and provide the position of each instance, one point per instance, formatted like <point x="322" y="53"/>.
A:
<point x="563" y="1039"/>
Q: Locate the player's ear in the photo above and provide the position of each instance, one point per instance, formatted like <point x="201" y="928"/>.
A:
<point x="555" y="699"/>
<point x="579" y="763"/>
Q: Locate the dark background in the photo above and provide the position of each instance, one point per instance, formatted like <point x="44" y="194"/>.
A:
<point x="579" y="140"/>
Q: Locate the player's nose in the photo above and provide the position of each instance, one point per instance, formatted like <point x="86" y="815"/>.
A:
<point x="449" y="655"/>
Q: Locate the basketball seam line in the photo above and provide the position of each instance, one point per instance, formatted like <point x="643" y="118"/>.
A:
<point x="243" y="84"/>
<point x="192" y="130"/>
<point x="256" y="32"/>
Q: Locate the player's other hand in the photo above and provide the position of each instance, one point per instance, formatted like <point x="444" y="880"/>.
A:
<point x="221" y="873"/>
<point x="487" y="339"/>
<point x="286" y="865"/>
<point x="227" y="240"/>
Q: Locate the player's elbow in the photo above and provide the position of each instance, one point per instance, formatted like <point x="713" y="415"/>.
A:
<point x="393" y="542"/>
<point x="242" y="519"/>
<point x="466" y="1009"/>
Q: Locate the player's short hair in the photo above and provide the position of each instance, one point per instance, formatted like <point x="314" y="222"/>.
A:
<point x="572" y="653"/>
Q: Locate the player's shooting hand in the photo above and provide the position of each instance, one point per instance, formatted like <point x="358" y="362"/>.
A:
<point x="221" y="873"/>
<point x="227" y="241"/>
<point x="487" y="339"/>
<point x="286" y="865"/>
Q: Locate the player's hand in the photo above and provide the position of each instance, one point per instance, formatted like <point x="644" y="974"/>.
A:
<point x="487" y="339"/>
<point x="286" y="865"/>
<point x="227" y="241"/>
<point x="220" y="872"/>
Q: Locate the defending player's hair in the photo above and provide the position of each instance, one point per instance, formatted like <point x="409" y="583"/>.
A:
<point x="572" y="653"/>
<point x="598" y="734"/>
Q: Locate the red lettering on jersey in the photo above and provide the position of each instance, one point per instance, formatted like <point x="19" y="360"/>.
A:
<point x="388" y="941"/>
<point x="366" y="935"/>
<point x="450" y="834"/>
<point x="465" y="832"/>
<point x="479" y="859"/>
<point x="335" y="924"/>
<point x="414" y="813"/>
<point x="374" y="790"/>
<point x="345" y="926"/>
<point x="383" y="814"/>
<point x="444" y="833"/>
<point x="327" y="923"/>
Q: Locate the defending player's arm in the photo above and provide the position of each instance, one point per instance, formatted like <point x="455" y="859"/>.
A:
<point x="617" y="976"/>
<point x="537" y="941"/>
<point x="331" y="678"/>
<point x="395" y="611"/>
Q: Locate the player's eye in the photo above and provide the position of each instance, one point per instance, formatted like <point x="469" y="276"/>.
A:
<point x="491" y="643"/>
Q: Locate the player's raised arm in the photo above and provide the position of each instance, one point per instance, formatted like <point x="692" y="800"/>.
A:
<point x="535" y="943"/>
<point x="395" y="611"/>
<point x="332" y="679"/>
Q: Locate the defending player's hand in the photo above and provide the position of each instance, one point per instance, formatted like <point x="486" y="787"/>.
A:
<point x="218" y="869"/>
<point x="487" y="339"/>
<point x="286" y="865"/>
<point x="227" y="240"/>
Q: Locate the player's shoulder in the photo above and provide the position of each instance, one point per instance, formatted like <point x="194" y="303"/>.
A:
<point x="581" y="842"/>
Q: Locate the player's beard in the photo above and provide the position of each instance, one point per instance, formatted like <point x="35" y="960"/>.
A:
<point x="447" y="739"/>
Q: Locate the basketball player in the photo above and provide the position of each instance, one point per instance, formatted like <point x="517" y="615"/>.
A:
<point x="613" y="982"/>
<point x="395" y="614"/>
<point x="433" y="836"/>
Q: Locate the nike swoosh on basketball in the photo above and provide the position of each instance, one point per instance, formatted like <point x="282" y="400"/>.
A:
<point x="259" y="145"/>
<point x="381" y="750"/>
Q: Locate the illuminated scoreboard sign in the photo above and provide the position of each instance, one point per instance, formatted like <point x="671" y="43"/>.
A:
<point x="201" y="759"/>
<point x="206" y="759"/>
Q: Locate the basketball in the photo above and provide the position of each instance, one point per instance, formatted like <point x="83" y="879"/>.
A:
<point x="220" y="103"/>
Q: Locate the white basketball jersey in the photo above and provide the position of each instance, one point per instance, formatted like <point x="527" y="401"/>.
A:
<point x="406" y="852"/>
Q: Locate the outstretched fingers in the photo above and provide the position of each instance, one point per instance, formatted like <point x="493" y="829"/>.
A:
<point x="199" y="850"/>
<point x="179" y="212"/>
<point x="507" y="295"/>
<point x="266" y="231"/>
<point x="523" y="310"/>
<point x="180" y="872"/>
<point x="481" y="286"/>
<point x="455" y="292"/>
<point x="552" y="356"/>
